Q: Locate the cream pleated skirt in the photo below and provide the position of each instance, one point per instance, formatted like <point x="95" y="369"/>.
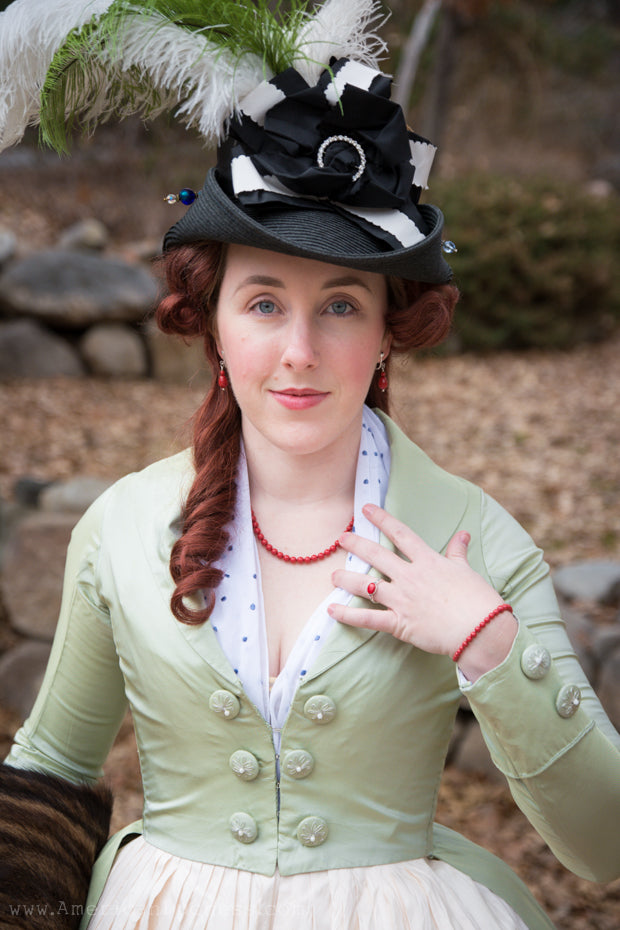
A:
<point x="149" y="889"/>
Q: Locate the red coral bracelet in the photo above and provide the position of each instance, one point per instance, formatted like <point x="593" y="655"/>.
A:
<point x="494" y="613"/>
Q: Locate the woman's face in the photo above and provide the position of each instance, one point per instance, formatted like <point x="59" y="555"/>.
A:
<point x="301" y="340"/>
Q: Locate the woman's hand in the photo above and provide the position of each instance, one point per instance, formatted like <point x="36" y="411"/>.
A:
<point x="431" y="601"/>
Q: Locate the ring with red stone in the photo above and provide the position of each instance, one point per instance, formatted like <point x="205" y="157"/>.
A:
<point x="371" y="590"/>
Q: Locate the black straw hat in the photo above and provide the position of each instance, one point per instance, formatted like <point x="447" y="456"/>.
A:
<point x="310" y="232"/>
<point x="328" y="171"/>
<point x="314" y="159"/>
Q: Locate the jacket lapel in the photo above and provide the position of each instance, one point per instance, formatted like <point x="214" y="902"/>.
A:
<point x="159" y="530"/>
<point x="429" y="500"/>
<point x="203" y="640"/>
<point x="421" y="494"/>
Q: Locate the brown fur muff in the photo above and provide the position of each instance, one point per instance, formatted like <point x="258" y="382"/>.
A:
<point x="51" y="831"/>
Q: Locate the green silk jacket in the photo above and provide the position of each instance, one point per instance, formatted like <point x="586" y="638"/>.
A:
<point x="373" y="716"/>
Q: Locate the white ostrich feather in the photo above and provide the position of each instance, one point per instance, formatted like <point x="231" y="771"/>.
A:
<point x="31" y="31"/>
<point x="195" y="76"/>
<point x="341" y="29"/>
<point x="178" y="69"/>
<point x="196" y="79"/>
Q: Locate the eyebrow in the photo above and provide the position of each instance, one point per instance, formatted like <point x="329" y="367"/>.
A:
<point x="260" y="279"/>
<point x="268" y="281"/>
<point x="347" y="281"/>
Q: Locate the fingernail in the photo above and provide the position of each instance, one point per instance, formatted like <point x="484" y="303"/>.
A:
<point x="369" y="509"/>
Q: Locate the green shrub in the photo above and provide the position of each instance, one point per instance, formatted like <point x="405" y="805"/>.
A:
<point x="538" y="261"/>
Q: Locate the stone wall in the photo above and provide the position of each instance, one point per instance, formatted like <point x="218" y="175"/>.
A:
<point x="78" y="309"/>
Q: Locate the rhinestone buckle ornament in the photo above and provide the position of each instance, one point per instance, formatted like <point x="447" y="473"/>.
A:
<point x="320" y="160"/>
<point x="186" y="197"/>
<point x="448" y="247"/>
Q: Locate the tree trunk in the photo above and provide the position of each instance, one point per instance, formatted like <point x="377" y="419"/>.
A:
<point x="438" y="96"/>
<point x="415" y="45"/>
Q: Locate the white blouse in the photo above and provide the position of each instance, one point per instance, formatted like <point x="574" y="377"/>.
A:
<point x="238" y="618"/>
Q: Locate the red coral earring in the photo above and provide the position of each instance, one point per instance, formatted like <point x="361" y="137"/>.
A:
<point x="383" y="379"/>
<point x="222" y="378"/>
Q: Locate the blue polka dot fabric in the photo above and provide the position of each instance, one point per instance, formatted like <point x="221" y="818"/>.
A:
<point x="238" y="620"/>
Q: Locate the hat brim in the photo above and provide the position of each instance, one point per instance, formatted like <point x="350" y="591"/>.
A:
<point x="315" y="232"/>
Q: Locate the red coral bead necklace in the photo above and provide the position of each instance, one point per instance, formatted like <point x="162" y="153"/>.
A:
<point x="296" y="558"/>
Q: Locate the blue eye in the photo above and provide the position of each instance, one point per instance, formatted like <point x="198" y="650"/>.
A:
<point x="340" y="307"/>
<point x="265" y="307"/>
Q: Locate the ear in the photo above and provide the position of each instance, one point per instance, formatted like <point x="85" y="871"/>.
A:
<point x="386" y="344"/>
<point x="218" y="345"/>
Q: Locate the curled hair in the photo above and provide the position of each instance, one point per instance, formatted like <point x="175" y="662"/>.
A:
<point x="193" y="275"/>
<point x="418" y="316"/>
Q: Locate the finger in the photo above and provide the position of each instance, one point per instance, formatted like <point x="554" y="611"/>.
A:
<point x="403" y="537"/>
<point x="364" y="617"/>
<point x="358" y="584"/>
<point x="457" y="547"/>
<point x="373" y="553"/>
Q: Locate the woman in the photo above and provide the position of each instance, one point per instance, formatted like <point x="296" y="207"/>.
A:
<point x="293" y="609"/>
<point x="344" y="810"/>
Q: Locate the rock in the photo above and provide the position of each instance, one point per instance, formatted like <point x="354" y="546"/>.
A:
<point x="461" y="724"/>
<point x="608" y="689"/>
<point x="114" y="351"/>
<point x="10" y="513"/>
<point x="21" y="673"/>
<point x="21" y="156"/>
<point x="581" y="632"/>
<point x="597" y="581"/>
<point x="472" y="755"/>
<point x="28" y="350"/>
<point x="607" y="168"/>
<point x="8" y="244"/>
<point x="72" y="496"/>
<point x="144" y="250"/>
<point x="88" y="235"/>
<point x="599" y="188"/>
<point x="33" y="569"/>
<point x="27" y="491"/>
<point x="175" y="361"/>
<point x="606" y="642"/>
<point x="73" y="290"/>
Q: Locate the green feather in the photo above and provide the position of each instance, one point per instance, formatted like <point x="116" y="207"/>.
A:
<point x="87" y="68"/>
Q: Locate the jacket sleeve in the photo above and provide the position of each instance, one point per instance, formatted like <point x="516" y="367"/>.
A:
<point x="543" y="724"/>
<point x="82" y="700"/>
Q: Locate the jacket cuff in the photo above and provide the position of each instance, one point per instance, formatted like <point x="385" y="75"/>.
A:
<point x="50" y="834"/>
<point x="529" y="716"/>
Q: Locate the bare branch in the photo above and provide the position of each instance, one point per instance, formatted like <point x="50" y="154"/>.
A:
<point x="415" y="45"/>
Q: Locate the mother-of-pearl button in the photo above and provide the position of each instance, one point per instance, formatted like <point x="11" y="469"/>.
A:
<point x="320" y="709"/>
<point x="568" y="700"/>
<point x="225" y="704"/>
<point x="297" y="763"/>
<point x="243" y="827"/>
<point x="312" y="831"/>
<point x="535" y="661"/>
<point x="244" y="764"/>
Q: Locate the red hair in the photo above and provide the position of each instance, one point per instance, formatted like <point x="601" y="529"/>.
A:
<point x="418" y="316"/>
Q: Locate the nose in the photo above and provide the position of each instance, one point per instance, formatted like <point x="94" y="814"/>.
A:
<point x="300" y="351"/>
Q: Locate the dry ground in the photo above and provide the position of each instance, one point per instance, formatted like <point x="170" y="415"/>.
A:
<point x="540" y="431"/>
